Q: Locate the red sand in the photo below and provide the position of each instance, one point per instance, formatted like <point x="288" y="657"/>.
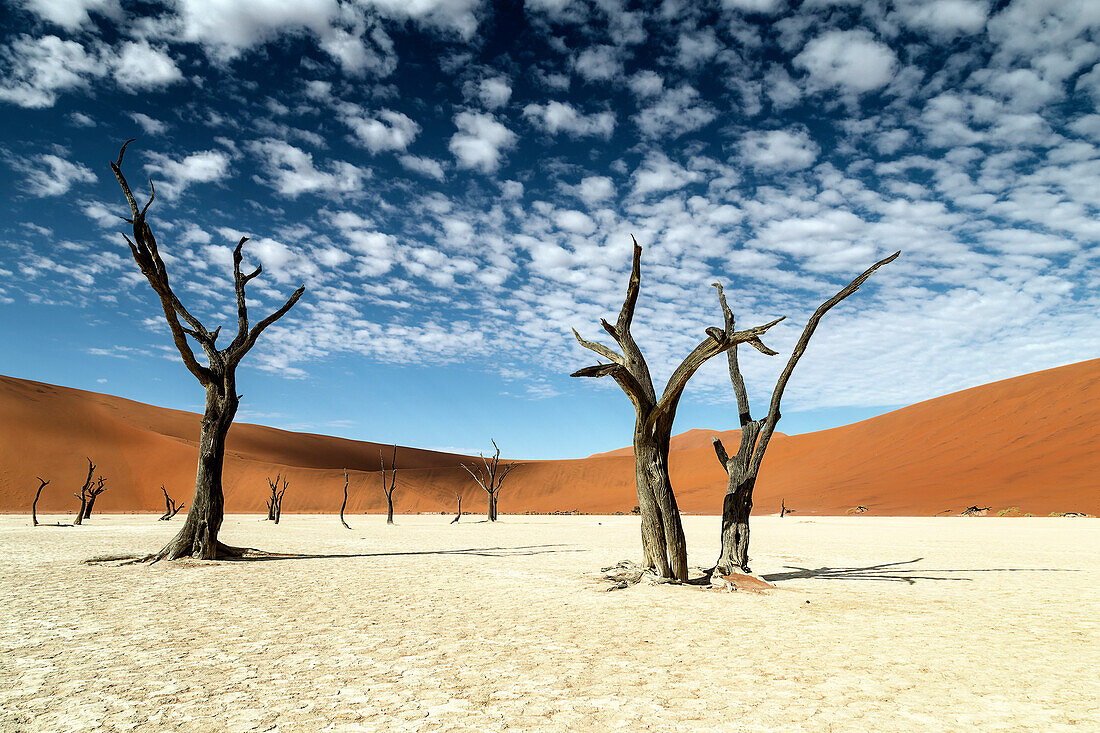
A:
<point x="1032" y="442"/>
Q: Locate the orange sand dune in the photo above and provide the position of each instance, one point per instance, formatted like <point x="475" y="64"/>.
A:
<point x="1032" y="442"/>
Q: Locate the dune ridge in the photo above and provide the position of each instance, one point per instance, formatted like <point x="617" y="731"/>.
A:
<point x="1029" y="442"/>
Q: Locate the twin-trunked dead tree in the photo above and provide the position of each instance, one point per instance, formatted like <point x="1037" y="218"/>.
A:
<point x="275" y="501"/>
<point x="171" y="509"/>
<point x="744" y="466"/>
<point x="662" y="532"/>
<point x="489" y="476"/>
<point x="199" y="535"/>
<point x="88" y="493"/>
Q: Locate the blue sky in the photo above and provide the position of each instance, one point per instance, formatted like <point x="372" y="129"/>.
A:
<point x="455" y="183"/>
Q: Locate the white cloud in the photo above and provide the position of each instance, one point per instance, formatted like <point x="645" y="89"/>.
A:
<point x="50" y="175"/>
<point x="851" y="60"/>
<point x="72" y="14"/>
<point x="207" y="166"/>
<point x="494" y="92"/>
<point x="555" y="117"/>
<point x="598" y="63"/>
<point x="141" y="67"/>
<point x="574" y="221"/>
<point x="674" y="113"/>
<point x="646" y="83"/>
<point x="658" y="173"/>
<point x="946" y="17"/>
<point x="228" y="27"/>
<point x="39" y="68"/>
<point x="424" y="166"/>
<point x="457" y="16"/>
<point x="594" y="189"/>
<point x="387" y="130"/>
<point x="480" y="141"/>
<point x="291" y="171"/>
<point x="148" y="124"/>
<point x="782" y="150"/>
<point x="764" y="7"/>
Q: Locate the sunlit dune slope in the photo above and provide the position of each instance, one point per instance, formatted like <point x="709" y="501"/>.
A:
<point x="1032" y="442"/>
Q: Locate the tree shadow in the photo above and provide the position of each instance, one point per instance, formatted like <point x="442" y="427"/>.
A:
<point x="892" y="572"/>
<point x="522" y="550"/>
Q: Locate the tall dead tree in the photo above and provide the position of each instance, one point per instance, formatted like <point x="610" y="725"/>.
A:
<point x="34" y="504"/>
<point x="345" y="504"/>
<point x="83" y="494"/>
<point x="662" y="533"/>
<point x="171" y="509"/>
<point x="388" y="489"/>
<point x="275" y="502"/>
<point x="93" y="492"/>
<point x="199" y="535"/>
<point x="458" y="514"/>
<point x="490" y="476"/>
<point x="744" y="466"/>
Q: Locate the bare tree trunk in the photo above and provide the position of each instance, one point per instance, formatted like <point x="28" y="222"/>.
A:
<point x="199" y="535"/>
<point x="83" y="495"/>
<point x="744" y="467"/>
<point x="345" y="504"/>
<point x="198" y="538"/>
<point x="34" y="504"/>
<point x="490" y="477"/>
<point x="492" y="507"/>
<point x="388" y="489"/>
<point x="458" y="515"/>
<point x="662" y="531"/>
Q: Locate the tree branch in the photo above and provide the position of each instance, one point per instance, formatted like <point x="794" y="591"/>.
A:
<point x="743" y="412"/>
<point x="799" y="349"/>
<point x="599" y="349"/>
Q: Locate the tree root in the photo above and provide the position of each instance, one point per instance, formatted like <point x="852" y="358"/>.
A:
<point x="626" y="573"/>
<point x="225" y="552"/>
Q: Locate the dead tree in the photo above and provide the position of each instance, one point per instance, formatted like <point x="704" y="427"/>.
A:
<point x="744" y="466"/>
<point x="34" y="504"/>
<point x="783" y="510"/>
<point x="275" y="503"/>
<point x="93" y="492"/>
<point x="662" y="533"/>
<point x="345" y="504"/>
<point x="83" y="495"/>
<point x="199" y="535"/>
<point x="170" y="507"/>
<point x="490" y="477"/>
<point x="458" y="514"/>
<point x="388" y="490"/>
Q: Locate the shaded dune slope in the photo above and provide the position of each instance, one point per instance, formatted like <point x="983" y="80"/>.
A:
<point x="1031" y="442"/>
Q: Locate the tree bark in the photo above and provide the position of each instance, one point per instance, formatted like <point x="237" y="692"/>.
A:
<point x="345" y="504"/>
<point x="662" y="532"/>
<point x="83" y="495"/>
<point x="199" y="535"/>
<point x="744" y="467"/>
<point x="458" y="514"/>
<point x="198" y="538"/>
<point x="34" y="504"/>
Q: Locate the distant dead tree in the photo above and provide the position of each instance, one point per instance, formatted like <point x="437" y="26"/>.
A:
<point x="458" y="514"/>
<point x="388" y="489"/>
<point x="783" y="510"/>
<point x="490" y="477"/>
<point x="275" y="502"/>
<point x="93" y="492"/>
<point x="662" y="532"/>
<point x="974" y="511"/>
<point x="744" y="466"/>
<point x="345" y="504"/>
<point x="34" y="504"/>
<point x="170" y="507"/>
<point x="83" y="494"/>
<point x="857" y="510"/>
<point x="199" y="535"/>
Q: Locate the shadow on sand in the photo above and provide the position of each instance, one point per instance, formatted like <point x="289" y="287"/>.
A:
<point x="259" y="555"/>
<point x="893" y="571"/>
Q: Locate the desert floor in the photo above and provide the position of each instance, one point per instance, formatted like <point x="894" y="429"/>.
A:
<point x="878" y="624"/>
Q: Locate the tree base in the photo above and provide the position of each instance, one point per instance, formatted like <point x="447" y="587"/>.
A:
<point x="224" y="552"/>
<point x="627" y="573"/>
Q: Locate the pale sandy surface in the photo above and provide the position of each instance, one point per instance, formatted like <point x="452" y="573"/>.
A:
<point x="912" y="624"/>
